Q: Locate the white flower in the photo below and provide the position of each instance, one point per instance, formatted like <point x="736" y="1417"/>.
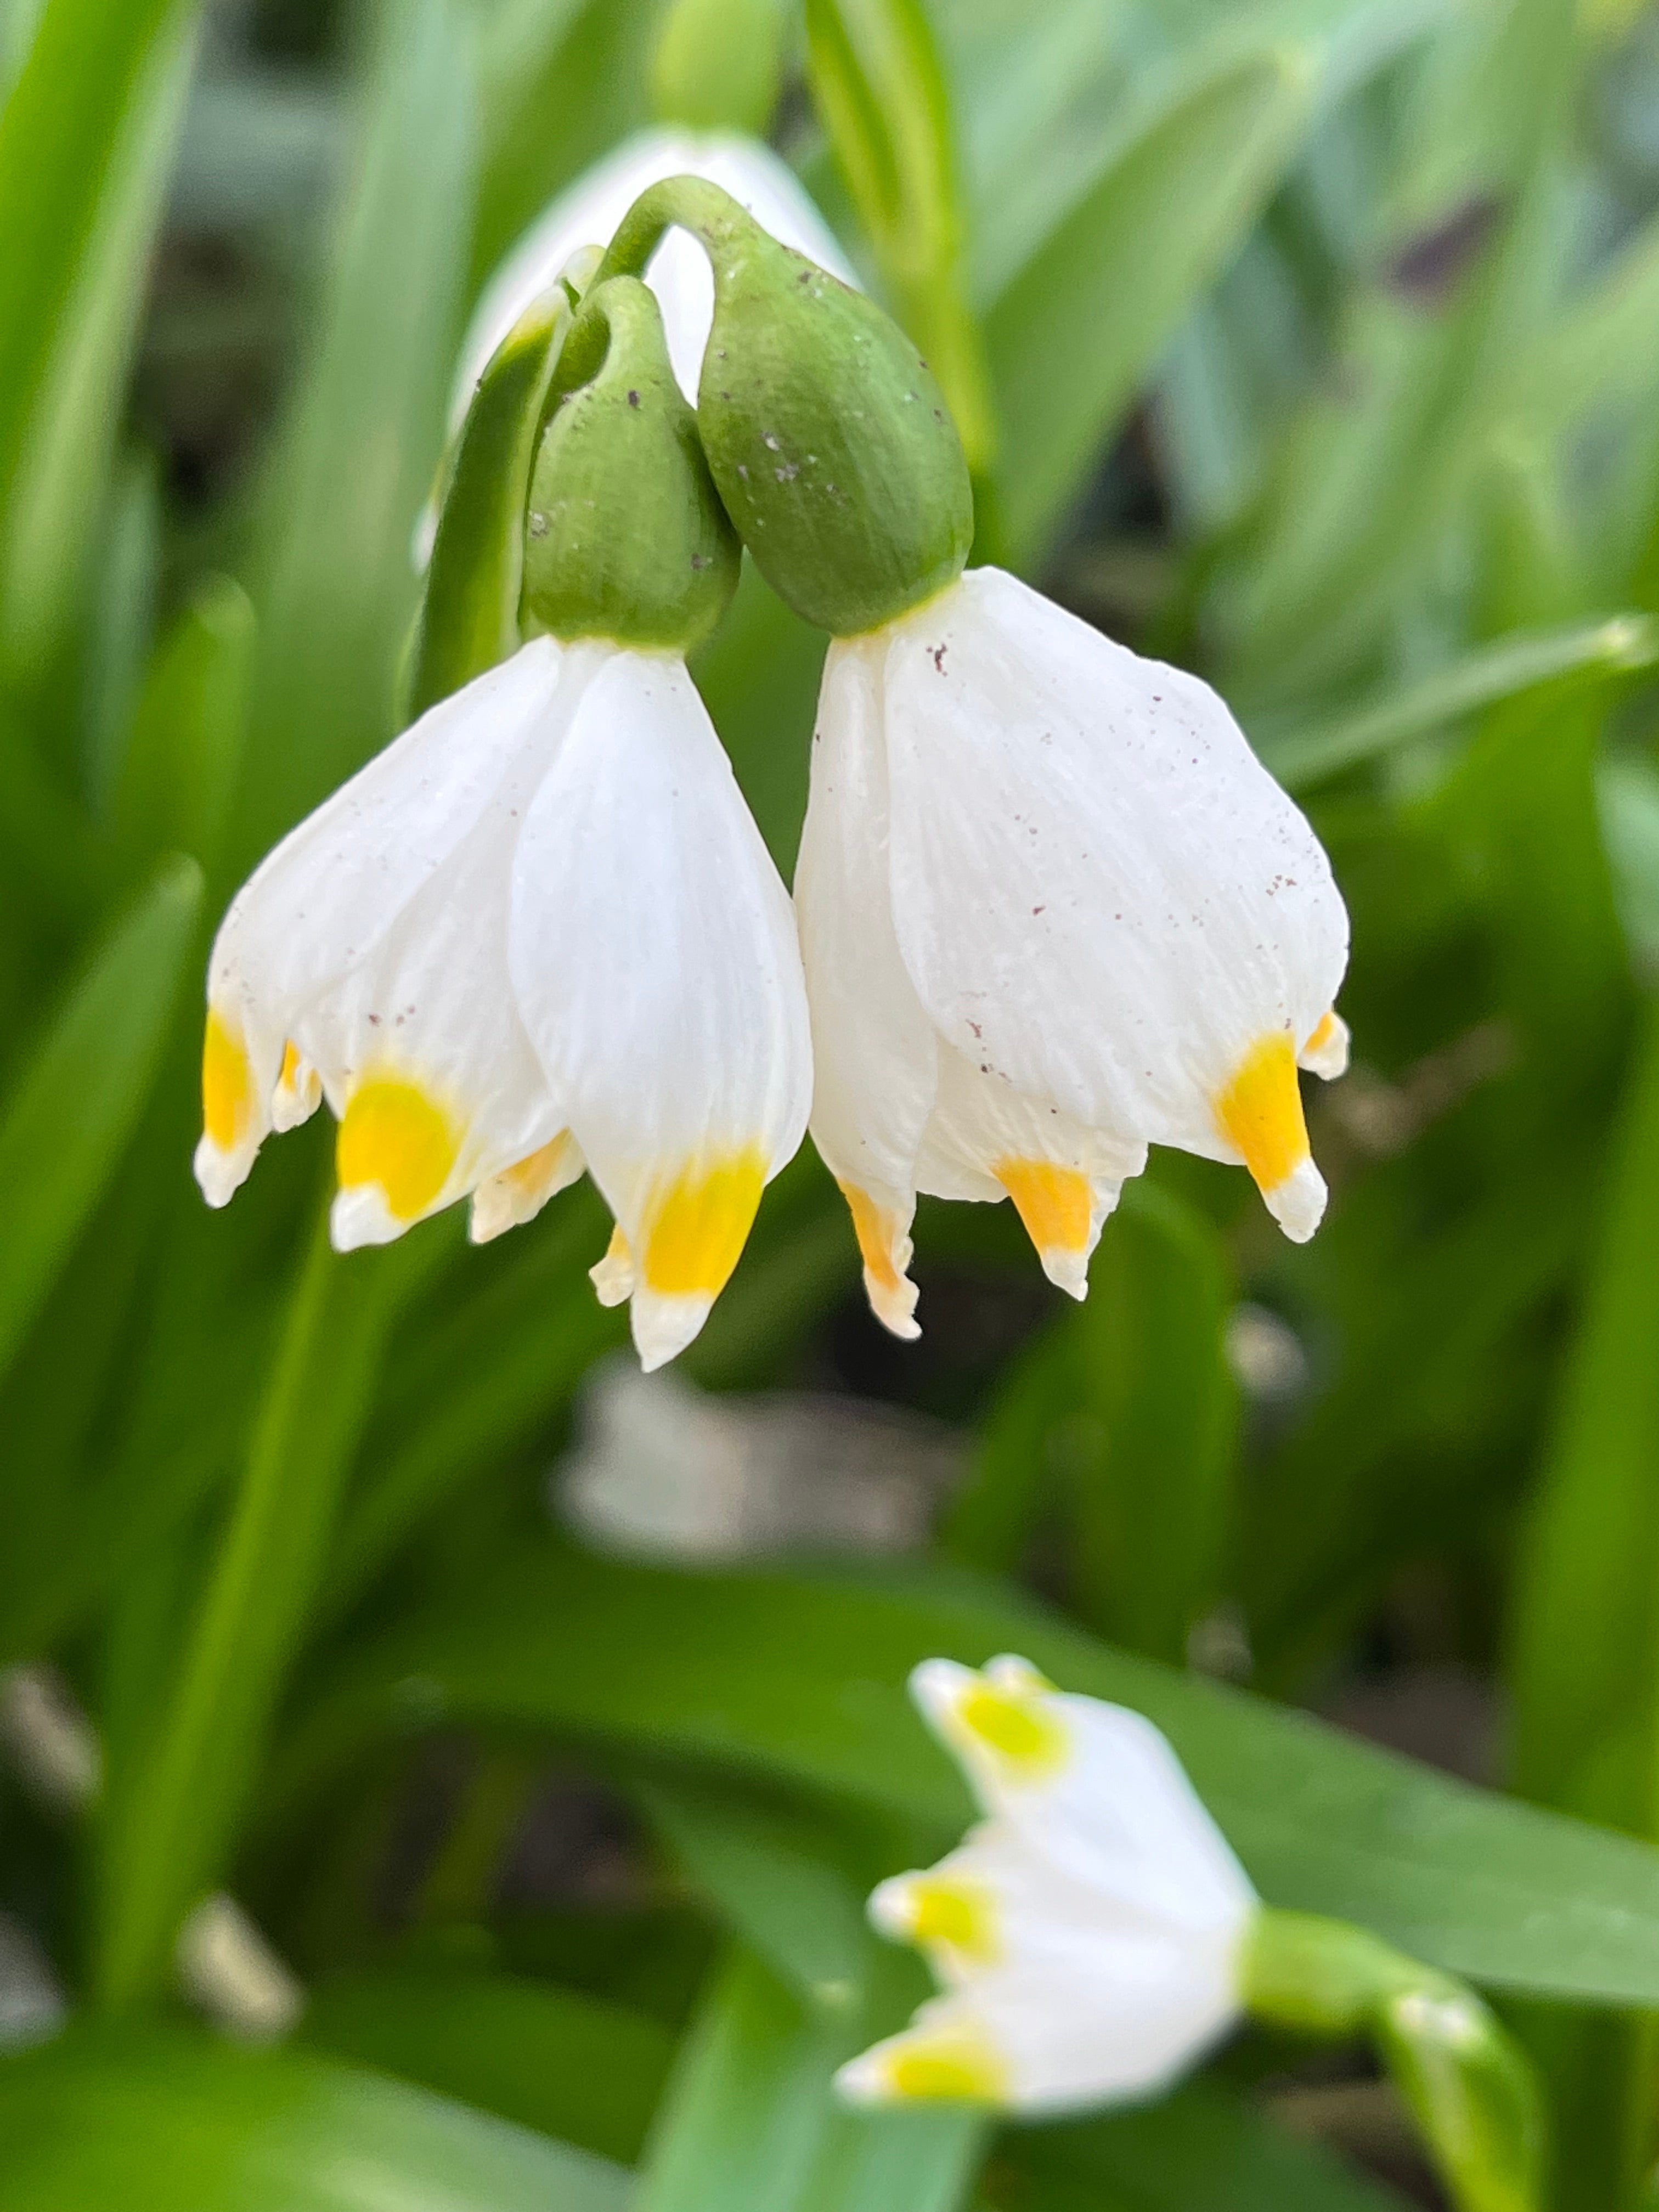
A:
<point x="1053" y="911"/>
<point x="589" y="212"/>
<point x="540" y="932"/>
<point x="1089" y="1934"/>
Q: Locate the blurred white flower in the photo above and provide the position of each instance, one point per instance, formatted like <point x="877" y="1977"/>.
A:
<point x="1089" y="1934"/>
<point x="589" y="210"/>
<point x="1052" y="909"/>
<point x="540" y="932"/>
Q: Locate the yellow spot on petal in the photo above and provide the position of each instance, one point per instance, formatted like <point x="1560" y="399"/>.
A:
<point x="617" y="1250"/>
<point x="1260" y="1111"/>
<point x="289" y="1078"/>
<point x="227" y="1084"/>
<point x="699" y="1224"/>
<point x="873" y="1227"/>
<point x="1053" y="1202"/>
<point x="1323" y="1032"/>
<point x="959" y="1914"/>
<point x="955" y="2069"/>
<point x="1022" y="1732"/>
<point x="393" y="1135"/>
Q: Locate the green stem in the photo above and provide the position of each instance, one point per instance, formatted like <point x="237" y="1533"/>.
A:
<point x="174" y="1809"/>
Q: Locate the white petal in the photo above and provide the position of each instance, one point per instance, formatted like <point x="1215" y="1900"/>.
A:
<point x="1091" y="1788"/>
<point x="1100" y="894"/>
<point x="1326" y="1052"/>
<point x="519" y="1193"/>
<point x="589" y="212"/>
<point x="327" y="897"/>
<point x="985" y="1139"/>
<point x="875" y="1057"/>
<point x="654" y="956"/>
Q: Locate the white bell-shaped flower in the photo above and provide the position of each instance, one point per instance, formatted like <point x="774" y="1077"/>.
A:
<point x="540" y="931"/>
<point x="1052" y="909"/>
<point x="1089" y="1934"/>
<point x="588" y="211"/>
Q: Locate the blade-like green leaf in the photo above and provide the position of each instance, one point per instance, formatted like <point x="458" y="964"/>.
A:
<point x="1200" y="2147"/>
<point x="86" y="141"/>
<point x="1508" y="668"/>
<point x="170" y="2123"/>
<point x="177" y="1791"/>
<point x="80" y="1093"/>
<point x="333" y="579"/>
<point x="802" y="1678"/>
<point x="571" y="2066"/>
<point x="751" y="2117"/>
<point x="181" y="760"/>
<point x="1075" y="332"/>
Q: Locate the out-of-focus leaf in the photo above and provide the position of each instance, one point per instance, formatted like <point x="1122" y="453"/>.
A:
<point x="1198" y="2148"/>
<point x="164" y="2122"/>
<point x="584" y="2071"/>
<point x="751" y="2117"/>
<point x="76" y="1099"/>
<point x="1072" y="336"/>
<point x="87" y="137"/>
<point x="800" y="1677"/>
<point x="876" y="78"/>
<point x="1629" y="794"/>
<point x="1582" y="1670"/>
<point x="1582" y="654"/>
<point x="333" y="579"/>
<point x="181" y="760"/>
<point x="176" y="1791"/>
<point x="469" y="617"/>
<point x="117" y="648"/>
<point x="719" y="65"/>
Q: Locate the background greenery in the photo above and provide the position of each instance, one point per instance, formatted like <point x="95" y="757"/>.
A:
<point x="1312" y="342"/>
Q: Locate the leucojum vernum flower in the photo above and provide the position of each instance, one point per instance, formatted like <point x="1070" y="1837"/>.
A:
<point x="1095" y="1937"/>
<point x="1050" y="909"/>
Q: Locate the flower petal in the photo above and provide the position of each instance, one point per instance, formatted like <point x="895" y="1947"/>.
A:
<point x="323" y="903"/>
<point x="654" y="957"/>
<point x="1100" y="894"/>
<point x="875" y="1056"/>
<point x="1326" y="1052"/>
<point x="518" y="1194"/>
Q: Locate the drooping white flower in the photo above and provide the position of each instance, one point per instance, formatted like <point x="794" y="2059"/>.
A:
<point x="540" y="932"/>
<point x="1089" y="1934"/>
<point x="588" y="211"/>
<point x="1053" y="911"/>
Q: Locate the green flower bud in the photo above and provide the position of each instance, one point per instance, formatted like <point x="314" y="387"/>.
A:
<point x="1468" y="2087"/>
<point x="825" y="431"/>
<point x="625" y="537"/>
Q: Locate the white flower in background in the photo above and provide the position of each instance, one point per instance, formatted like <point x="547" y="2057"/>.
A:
<point x="1089" y="1934"/>
<point x="1052" y="909"/>
<point x="589" y="211"/>
<point x="540" y="932"/>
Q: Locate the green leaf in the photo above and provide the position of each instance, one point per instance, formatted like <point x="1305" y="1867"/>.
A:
<point x="86" y="139"/>
<point x="719" y="65"/>
<point x="572" y="2067"/>
<point x="751" y="2117"/>
<point x="333" y="577"/>
<point x="1075" y="334"/>
<point x="177" y="1791"/>
<point x="166" y="2122"/>
<point x="875" y="79"/>
<point x="1201" y="2149"/>
<point x="470" y="615"/>
<point x="801" y="1678"/>
<point x="182" y="756"/>
<point x="1582" y="654"/>
<point x="78" y="1096"/>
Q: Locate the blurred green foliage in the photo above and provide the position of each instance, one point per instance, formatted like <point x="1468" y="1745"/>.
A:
<point x="1312" y="342"/>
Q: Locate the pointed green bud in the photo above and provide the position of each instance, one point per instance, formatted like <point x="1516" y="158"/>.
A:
<point x="826" y="433"/>
<point x="625" y="537"/>
<point x="1468" y="2087"/>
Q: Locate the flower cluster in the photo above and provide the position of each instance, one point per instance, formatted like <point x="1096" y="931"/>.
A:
<point x="1049" y="908"/>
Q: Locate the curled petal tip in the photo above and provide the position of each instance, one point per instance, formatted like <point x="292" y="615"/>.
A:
<point x="360" y="1215"/>
<point x="613" y="1277"/>
<point x="1326" y="1053"/>
<point x="664" y="1326"/>
<point x="220" y="1175"/>
<point x="884" y="1246"/>
<point x="1298" y="1204"/>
